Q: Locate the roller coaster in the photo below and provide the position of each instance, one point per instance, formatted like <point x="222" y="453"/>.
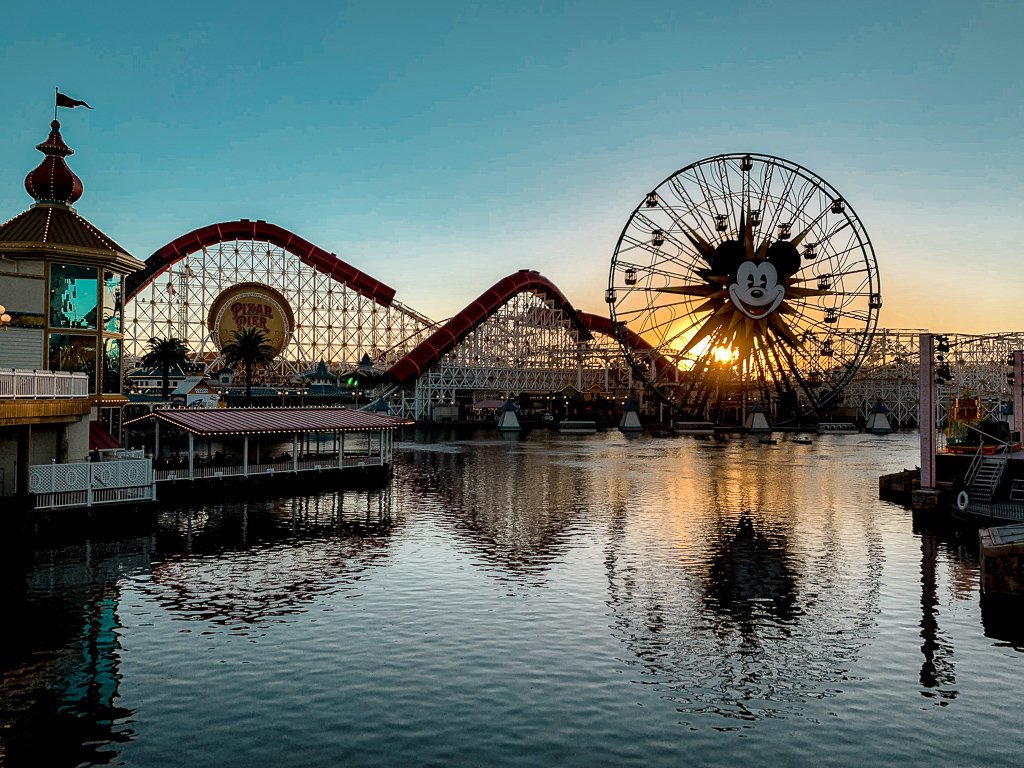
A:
<point x="522" y="334"/>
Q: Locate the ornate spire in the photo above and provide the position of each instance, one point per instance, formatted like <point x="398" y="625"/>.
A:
<point x="52" y="181"/>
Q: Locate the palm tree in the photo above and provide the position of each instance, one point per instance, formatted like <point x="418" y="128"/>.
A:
<point x="166" y="354"/>
<point x="249" y="347"/>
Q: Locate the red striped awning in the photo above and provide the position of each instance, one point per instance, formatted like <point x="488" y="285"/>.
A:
<point x="100" y="439"/>
<point x="274" y="421"/>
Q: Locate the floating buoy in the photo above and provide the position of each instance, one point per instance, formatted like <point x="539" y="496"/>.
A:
<point x="962" y="501"/>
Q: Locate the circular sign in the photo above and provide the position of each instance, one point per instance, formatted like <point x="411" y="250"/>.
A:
<point x="251" y="305"/>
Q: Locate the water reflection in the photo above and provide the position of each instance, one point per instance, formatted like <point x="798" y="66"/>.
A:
<point x="60" y="654"/>
<point x="938" y="674"/>
<point x="750" y="573"/>
<point x="253" y="562"/>
<point x="511" y="508"/>
<point x="765" y="595"/>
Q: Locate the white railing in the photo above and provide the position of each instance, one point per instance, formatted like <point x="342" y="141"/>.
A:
<point x="272" y="468"/>
<point x="87" y="483"/>
<point x="34" y="385"/>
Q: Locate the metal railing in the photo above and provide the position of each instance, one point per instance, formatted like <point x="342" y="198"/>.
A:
<point x="35" y="385"/>
<point x="327" y="461"/>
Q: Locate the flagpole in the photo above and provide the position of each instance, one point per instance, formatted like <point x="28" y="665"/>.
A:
<point x="56" y="90"/>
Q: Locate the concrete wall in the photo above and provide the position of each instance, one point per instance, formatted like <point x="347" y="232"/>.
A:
<point x="43" y="449"/>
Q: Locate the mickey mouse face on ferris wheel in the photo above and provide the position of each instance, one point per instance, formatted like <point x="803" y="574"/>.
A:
<point x="755" y="291"/>
<point x="757" y="287"/>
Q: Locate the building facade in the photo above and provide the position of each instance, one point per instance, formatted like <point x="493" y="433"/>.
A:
<point x="61" y="372"/>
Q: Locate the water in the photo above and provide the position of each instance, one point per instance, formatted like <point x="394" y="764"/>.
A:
<point x="556" y="600"/>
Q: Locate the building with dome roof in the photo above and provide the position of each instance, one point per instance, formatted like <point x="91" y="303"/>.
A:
<point x="61" y="377"/>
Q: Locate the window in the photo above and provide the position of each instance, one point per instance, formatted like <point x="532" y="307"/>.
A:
<point x="111" y="302"/>
<point x="74" y="352"/>
<point x="73" y="297"/>
<point x="111" y="366"/>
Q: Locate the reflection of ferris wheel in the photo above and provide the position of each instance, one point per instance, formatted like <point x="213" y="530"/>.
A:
<point x="741" y="279"/>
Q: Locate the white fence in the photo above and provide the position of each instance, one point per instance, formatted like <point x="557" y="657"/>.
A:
<point x="85" y="484"/>
<point x="34" y="385"/>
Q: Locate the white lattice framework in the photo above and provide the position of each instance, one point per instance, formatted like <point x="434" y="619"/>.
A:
<point x="528" y="345"/>
<point x="333" y="322"/>
<point x="978" y="368"/>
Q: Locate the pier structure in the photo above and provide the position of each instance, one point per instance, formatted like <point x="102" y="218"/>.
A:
<point x="220" y="443"/>
<point x="971" y="419"/>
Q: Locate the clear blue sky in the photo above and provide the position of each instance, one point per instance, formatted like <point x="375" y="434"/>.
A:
<point x="440" y="146"/>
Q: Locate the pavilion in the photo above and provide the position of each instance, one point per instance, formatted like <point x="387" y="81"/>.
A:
<point x="249" y="441"/>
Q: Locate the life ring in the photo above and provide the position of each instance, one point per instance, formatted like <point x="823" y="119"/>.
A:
<point x="962" y="501"/>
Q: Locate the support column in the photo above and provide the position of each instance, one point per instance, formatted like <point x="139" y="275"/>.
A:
<point x="24" y="449"/>
<point x="341" y="453"/>
<point x="245" y="456"/>
<point x="1017" y="422"/>
<point x="926" y="410"/>
<point x="61" y="449"/>
<point x="191" y="454"/>
<point x="295" y="452"/>
<point x="579" y="366"/>
<point x="156" y="439"/>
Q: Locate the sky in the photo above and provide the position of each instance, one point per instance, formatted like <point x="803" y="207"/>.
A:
<point x="441" y="146"/>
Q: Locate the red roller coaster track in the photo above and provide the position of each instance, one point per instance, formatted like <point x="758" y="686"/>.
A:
<point x="441" y="341"/>
<point x="314" y="256"/>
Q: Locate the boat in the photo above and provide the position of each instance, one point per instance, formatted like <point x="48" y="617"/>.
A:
<point x="988" y="436"/>
<point x="837" y="427"/>
<point x="577" y="427"/>
<point x="693" y="427"/>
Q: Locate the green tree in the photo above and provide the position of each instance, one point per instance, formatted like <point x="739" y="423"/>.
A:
<point x="166" y="354"/>
<point x="248" y="347"/>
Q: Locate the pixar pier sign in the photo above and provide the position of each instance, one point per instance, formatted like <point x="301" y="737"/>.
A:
<point x="251" y="305"/>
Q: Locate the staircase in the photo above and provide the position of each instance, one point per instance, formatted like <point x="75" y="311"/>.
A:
<point x="984" y="476"/>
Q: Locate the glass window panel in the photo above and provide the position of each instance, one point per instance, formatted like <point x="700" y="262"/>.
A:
<point x="111" y="419"/>
<point x="73" y="296"/>
<point x="111" y="302"/>
<point x="112" y="365"/>
<point x="71" y="352"/>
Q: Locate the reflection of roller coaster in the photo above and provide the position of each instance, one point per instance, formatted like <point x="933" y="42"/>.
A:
<point x="520" y="335"/>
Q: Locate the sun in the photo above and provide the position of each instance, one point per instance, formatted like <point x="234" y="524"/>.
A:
<point x="723" y="354"/>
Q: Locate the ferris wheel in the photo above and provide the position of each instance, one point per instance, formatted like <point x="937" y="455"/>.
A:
<point x="742" y="280"/>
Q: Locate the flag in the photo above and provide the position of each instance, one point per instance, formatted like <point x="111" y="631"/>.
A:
<point x="67" y="101"/>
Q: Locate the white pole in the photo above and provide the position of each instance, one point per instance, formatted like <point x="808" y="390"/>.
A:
<point x="245" y="456"/>
<point x="190" y="453"/>
<point x="926" y="410"/>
